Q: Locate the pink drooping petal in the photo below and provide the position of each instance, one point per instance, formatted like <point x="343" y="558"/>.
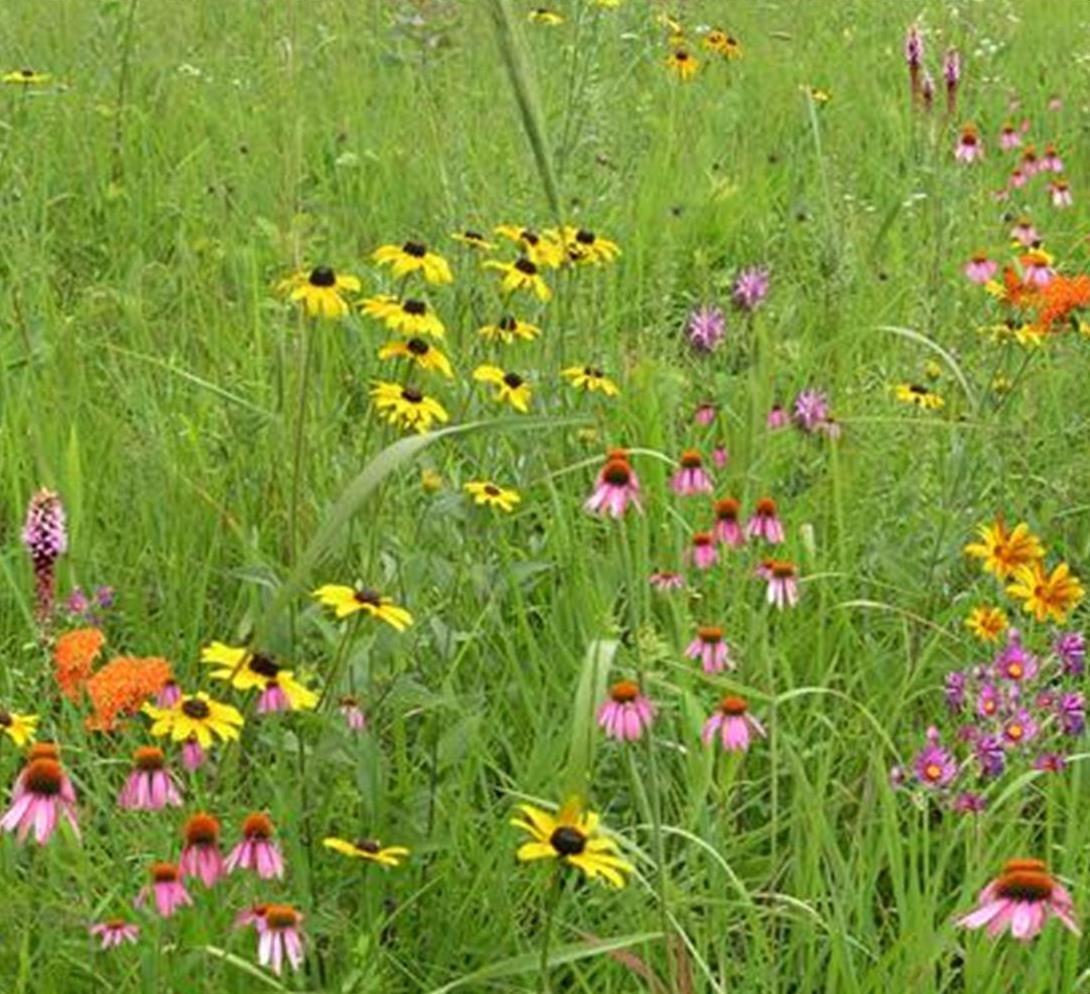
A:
<point x="711" y="726"/>
<point x="983" y="914"/>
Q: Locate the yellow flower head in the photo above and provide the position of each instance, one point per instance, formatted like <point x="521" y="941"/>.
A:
<point x="320" y="291"/>
<point x="413" y="257"/>
<point x="347" y="601"/>
<point x="543" y="249"/>
<point x="195" y="716"/>
<point x="473" y="240"/>
<point x="522" y="274"/>
<point x="510" y="387"/>
<point x="573" y="836"/>
<point x="987" y="623"/>
<point x="682" y="63"/>
<point x="543" y="15"/>
<point x="913" y="393"/>
<point x="246" y="670"/>
<point x="20" y="728"/>
<point x="723" y="44"/>
<point x="407" y="406"/>
<point x="1046" y="595"/>
<point x="583" y="245"/>
<point x="370" y="850"/>
<point x="590" y="378"/>
<point x="407" y="317"/>
<point x="507" y="329"/>
<point x="486" y="493"/>
<point x="1004" y="552"/>
<point x="421" y="353"/>
<point x="26" y="77"/>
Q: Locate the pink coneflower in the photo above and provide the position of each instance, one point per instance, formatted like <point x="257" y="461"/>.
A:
<point x="1025" y="233"/>
<point x="353" y="714"/>
<point x="666" y="580"/>
<point x="1060" y="193"/>
<point x="626" y="713"/>
<point x="1050" y="762"/>
<point x="969" y="803"/>
<point x="273" y="699"/>
<point x="256" y="851"/>
<point x="750" y="288"/>
<point x="1036" y="267"/>
<point x="192" y="754"/>
<point x="150" y="785"/>
<point x="1030" y="163"/>
<point x="980" y="268"/>
<point x="727" y="528"/>
<point x="616" y="487"/>
<point x="711" y="649"/>
<point x="253" y="915"/>
<point x="914" y="58"/>
<point x="41" y="795"/>
<point x="1009" y="137"/>
<point x="703" y="551"/>
<point x="1022" y="898"/>
<point x="783" y="582"/>
<point x="733" y="723"/>
<point x="777" y="418"/>
<point x="706" y="328"/>
<point x="46" y="539"/>
<point x="279" y="937"/>
<point x="720" y="456"/>
<point x="691" y="477"/>
<point x="201" y="853"/>
<point x="166" y="889"/>
<point x="169" y="694"/>
<point x="811" y="410"/>
<point x="765" y="522"/>
<point x="969" y="147"/>
<point x="1051" y="161"/>
<point x="705" y="414"/>
<point x="1019" y="729"/>
<point x="934" y="765"/>
<point x="115" y="932"/>
<point x="1018" y="179"/>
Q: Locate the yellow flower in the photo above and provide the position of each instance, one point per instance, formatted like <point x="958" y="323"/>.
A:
<point x="1046" y="594"/>
<point x="430" y="480"/>
<point x="319" y="291"/>
<point x="609" y="4"/>
<point x="590" y="379"/>
<point x="913" y="393"/>
<point x="195" y="716"/>
<point x="542" y="15"/>
<point x="473" y="239"/>
<point x="682" y="62"/>
<point x="420" y="352"/>
<point x="521" y="274"/>
<point x="583" y="245"/>
<point x="572" y="836"/>
<point x="820" y="96"/>
<point x="932" y="369"/>
<point x="987" y="623"/>
<point x="408" y="317"/>
<point x="20" y="728"/>
<point x="1004" y="552"/>
<point x="723" y="44"/>
<point x="1030" y="335"/>
<point x="368" y="849"/>
<point x="511" y="388"/>
<point x="413" y="257"/>
<point x="1001" y="383"/>
<point x="26" y="77"/>
<point x="246" y="670"/>
<point x="507" y="329"/>
<point x="487" y="493"/>
<point x="544" y="250"/>
<point x="346" y="601"/>
<point x="407" y="406"/>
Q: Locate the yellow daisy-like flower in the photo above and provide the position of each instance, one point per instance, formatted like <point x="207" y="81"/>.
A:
<point x="723" y="44"/>
<point x="543" y="249"/>
<point x="370" y="850"/>
<point x="932" y="369"/>
<point x="913" y="393"/>
<point x="413" y="257"/>
<point x="507" y="329"/>
<point x="1001" y="383"/>
<point x="408" y="317"/>
<point x="590" y="379"/>
<point x="486" y="493"/>
<point x="420" y="352"/>
<point x="320" y="291"/>
<point x="672" y="24"/>
<point x="511" y="388"/>
<point x="474" y="240"/>
<point x="609" y="4"/>
<point x="25" y="77"/>
<point x="430" y="481"/>
<point x="20" y="728"/>
<point x="1004" y="552"/>
<point x="572" y="836"/>
<point x="407" y="406"/>
<point x="347" y="601"/>
<point x="195" y="716"/>
<point x="1030" y="335"/>
<point x="682" y="63"/>
<point x="819" y="95"/>
<point x="246" y="670"/>
<point x="583" y="245"/>
<point x="521" y="274"/>
<point x="987" y="623"/>
<point x="543" y="15"/>
<point x="1046" y="595"/>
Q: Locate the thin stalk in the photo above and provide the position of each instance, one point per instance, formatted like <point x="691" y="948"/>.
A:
<point x="116" y="167"/>
<point x="551" y="901"/>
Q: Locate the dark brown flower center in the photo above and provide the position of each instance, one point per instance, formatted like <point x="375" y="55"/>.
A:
<point x="526" y="267"/>
<point x="512" y="380"/>
<point x="507" y="324"/>
<point x="263" y="665"/>
<point x="412" y="395"/>
<point x="416" y="249"/>
<point x="1025" y="885"/>
<point x="726" y="509"/>
<point x="585" y="237"/>
<point x="593" y="373"/>
<point x="149" y="759"/>
<point x="417" y="308"/>
<point x="6" y="720"/>
<point x="766" y="507"/>
<point x="492" y="490"/>
<point x="417" y="346"/>
<point x="681" y="55"/>
<point x="196" y="708"/>
<point x="43" y="777"/>
<point x="568" y="840"/>
<point x="369" y="846"/>
<point x="164" y="873"/>
<point x="365" y="596"/>
<point x="617" y="473"/>
<point x="322" y="276"/>
<point x="472" y="236"/>
<point x="734" y="706"/>
<point x="257" y="826"/>
<point x="702" y="538"/>
<point x="625" y="691"/>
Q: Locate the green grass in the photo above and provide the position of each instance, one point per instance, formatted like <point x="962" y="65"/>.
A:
<point x="150" y="373"/>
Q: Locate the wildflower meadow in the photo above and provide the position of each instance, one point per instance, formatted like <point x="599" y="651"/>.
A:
<point x="513" y="498"/>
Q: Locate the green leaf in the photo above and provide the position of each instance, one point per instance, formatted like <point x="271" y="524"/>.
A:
<point x="584" y="732"/>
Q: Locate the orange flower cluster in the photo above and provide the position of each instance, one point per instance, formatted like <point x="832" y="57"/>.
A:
<point x="73" y="658"/>
<point x="1059" y="298"/>
<point x="122" y="686"/>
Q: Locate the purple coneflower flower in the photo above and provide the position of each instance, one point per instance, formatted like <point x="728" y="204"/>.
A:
<point x="1051" y="161"/>
<point x="765" y="522"/>
<point x="353" y="714"/>
<point x="750" y="288"/>
<point x="777" y="418"/>
<point x="665" y="580"/>
<point x="711" y="649"/>
<point x="201" y="853"/>
<point x="1055" y="103"/>
<point x="733" y="723"/>
<point x="46" y="539"/>
<point x="1025" y="233"/>
<point x="1009" y="137"/>
<point x="114" y="932"/>
<point x="1070" y="648"/>
<point x="150" y="786"/>
<point x="257" y="850"/>
<point x="42" y="795"/>
<point x="783" y="583"/>
<point x="691" y="477"/>
<point x="168" y="695"/>
<point x="969" y="147"/>
<point x="703" y="551"/>
<point x="706" y="328"/>
<point x="166" y="889"/>
<point x="617" y="486"/>
<point x="720" y="456"/>
<point x="705" y="414"/>
<point x="279" y="937"/>
<point x="1060" y="193"/>
<point x="727" y="528"/>
<point x="980" y="268"/>
<point x="626" y="712"/>
<point x="1022" y="898"/>
<point x="192" y="754"/>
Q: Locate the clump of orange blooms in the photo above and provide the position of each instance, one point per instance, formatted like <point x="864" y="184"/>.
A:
<point x="122" y="686"/>
<point x="73" y="659"/>
<point x="1060" y="298"/>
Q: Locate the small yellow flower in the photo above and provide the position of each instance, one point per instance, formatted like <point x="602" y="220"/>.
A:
<point x="413" y="257"/>
<point x="195" y="716"/>
<point x="20" y="728"/>
<point x="474" y="240"/>
<point x="1030" y="335"/>
<point x="370" y="850"/>
<point x="419" y="352"/>
<point x="583" y="245"/>
<point x="1044" y="594"/>
<point x="609" y="4"/>
<point x="320" y="291"/>
<point x="511" y="388"/>
<point x="507" y="329"/>
<point x="932" y="369"/>
<point x="521" y="274"/>
<point x="543" y="15"/>
<point x="1001" y="383"/>
<point x="818" y="95"/>
<point x="723" y="44"/>
<point x="347" y="601"/>
<point x="543" y="249"/>
<point x="591" y="379"/>
<point x="683" y="63"/>
<point x="913" y="393"/>
<point x="407" y="317"/>
<point x="486" y="493"/>
<point x="246" y="670"/>
<point x="407" y="406"/>
<point x="987" y="623"/>
<point x="430" y="480"/>
<point x="25" y="77"/>
<point x="1004" y="552"/>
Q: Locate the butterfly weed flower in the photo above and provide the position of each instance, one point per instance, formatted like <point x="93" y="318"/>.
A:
<point x="166" y="890"/>
<point x="969" y="146"/>
<point x="420" y="353"/>
<point x="347" y="601"/>
<point x="682" y="63"/>
<point x="616" y="487"/>
<point x="197" y="716"/>
<point x="320" y="291"/>
<point x="74" y="655"/>
<point x="45" y="536"/>
<point x="711" y="649"/>
<point x="120" y="688"/>
<point x="201" y="855"/>
<point x="706" y="327"/>
<point x="114" y="932"/>
<point x="750" y="288"/>
<point x="1022" y="899"/>
<point x="20" y="728"/>
<point x="919" y="396"/>
<point x="150" y="786"/>
<point x="574" y="837"/>
<point x="368" y="850"/>
<point x="1046" y="595"/>
<point x="257" y="851"/>
<point x="732" y="724"/>
<point x="987" y="623"/>
<point x="509" y="329"/>
<point x="783" y="583"/>
<point x="765" y="522"/>
<point x="413" y="257"/>
<point x="703" y="552"/>
<point x="487" y="494"/>
<point x="980" y="269"/>
<point x="1003" y="551"/>
<point x="473" y="239"/>
<point x="626" y="712"/>
<point x="247" y="670"/>
<point x="41" y="797"/>
<point x="591" y="379"/>
<point x="691" y="477"/>
<point x="522" y="274"/>
<point x="543" y="249"/>
<point x="511" y="388"/>
<point x="406" y="316"/>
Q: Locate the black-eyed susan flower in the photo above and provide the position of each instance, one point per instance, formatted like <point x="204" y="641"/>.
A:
<point x="320" y="291"/>
<point x="1045" y="594"/>
<point x="347" y="601"/>
<point x="591" y="379"/>
<point x="25" y="77"/>
<point x="413" y="257"/>
<point x="543" y="249"/>
<point x="1004" y="551"/>
<point x="522" y="274"/>
<point x="195" y="716"/>
<point x="407" y="317"/>
<point x="507" y="329"/>
<point x="473" y="239"/>
<point x="723" y="44"/>
<point x="487" y="493"/>
<point x="545" y="15"/>
<point x="407" y="406"/>
<point x="20" y="728"/>
<point x="574" y="837"/>
<point x="370" y="850"/>
<point x="420" y="352"/>
<point x="583" y="245"/>
<point x="987" y="623"/>
<point x="246" y="670"/>
<point x="682" y="63"/>
<point x="919" y="396"/>
<point x="510" y="387"/>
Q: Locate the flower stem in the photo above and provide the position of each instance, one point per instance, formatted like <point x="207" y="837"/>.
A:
<point x="551" y="901"/>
